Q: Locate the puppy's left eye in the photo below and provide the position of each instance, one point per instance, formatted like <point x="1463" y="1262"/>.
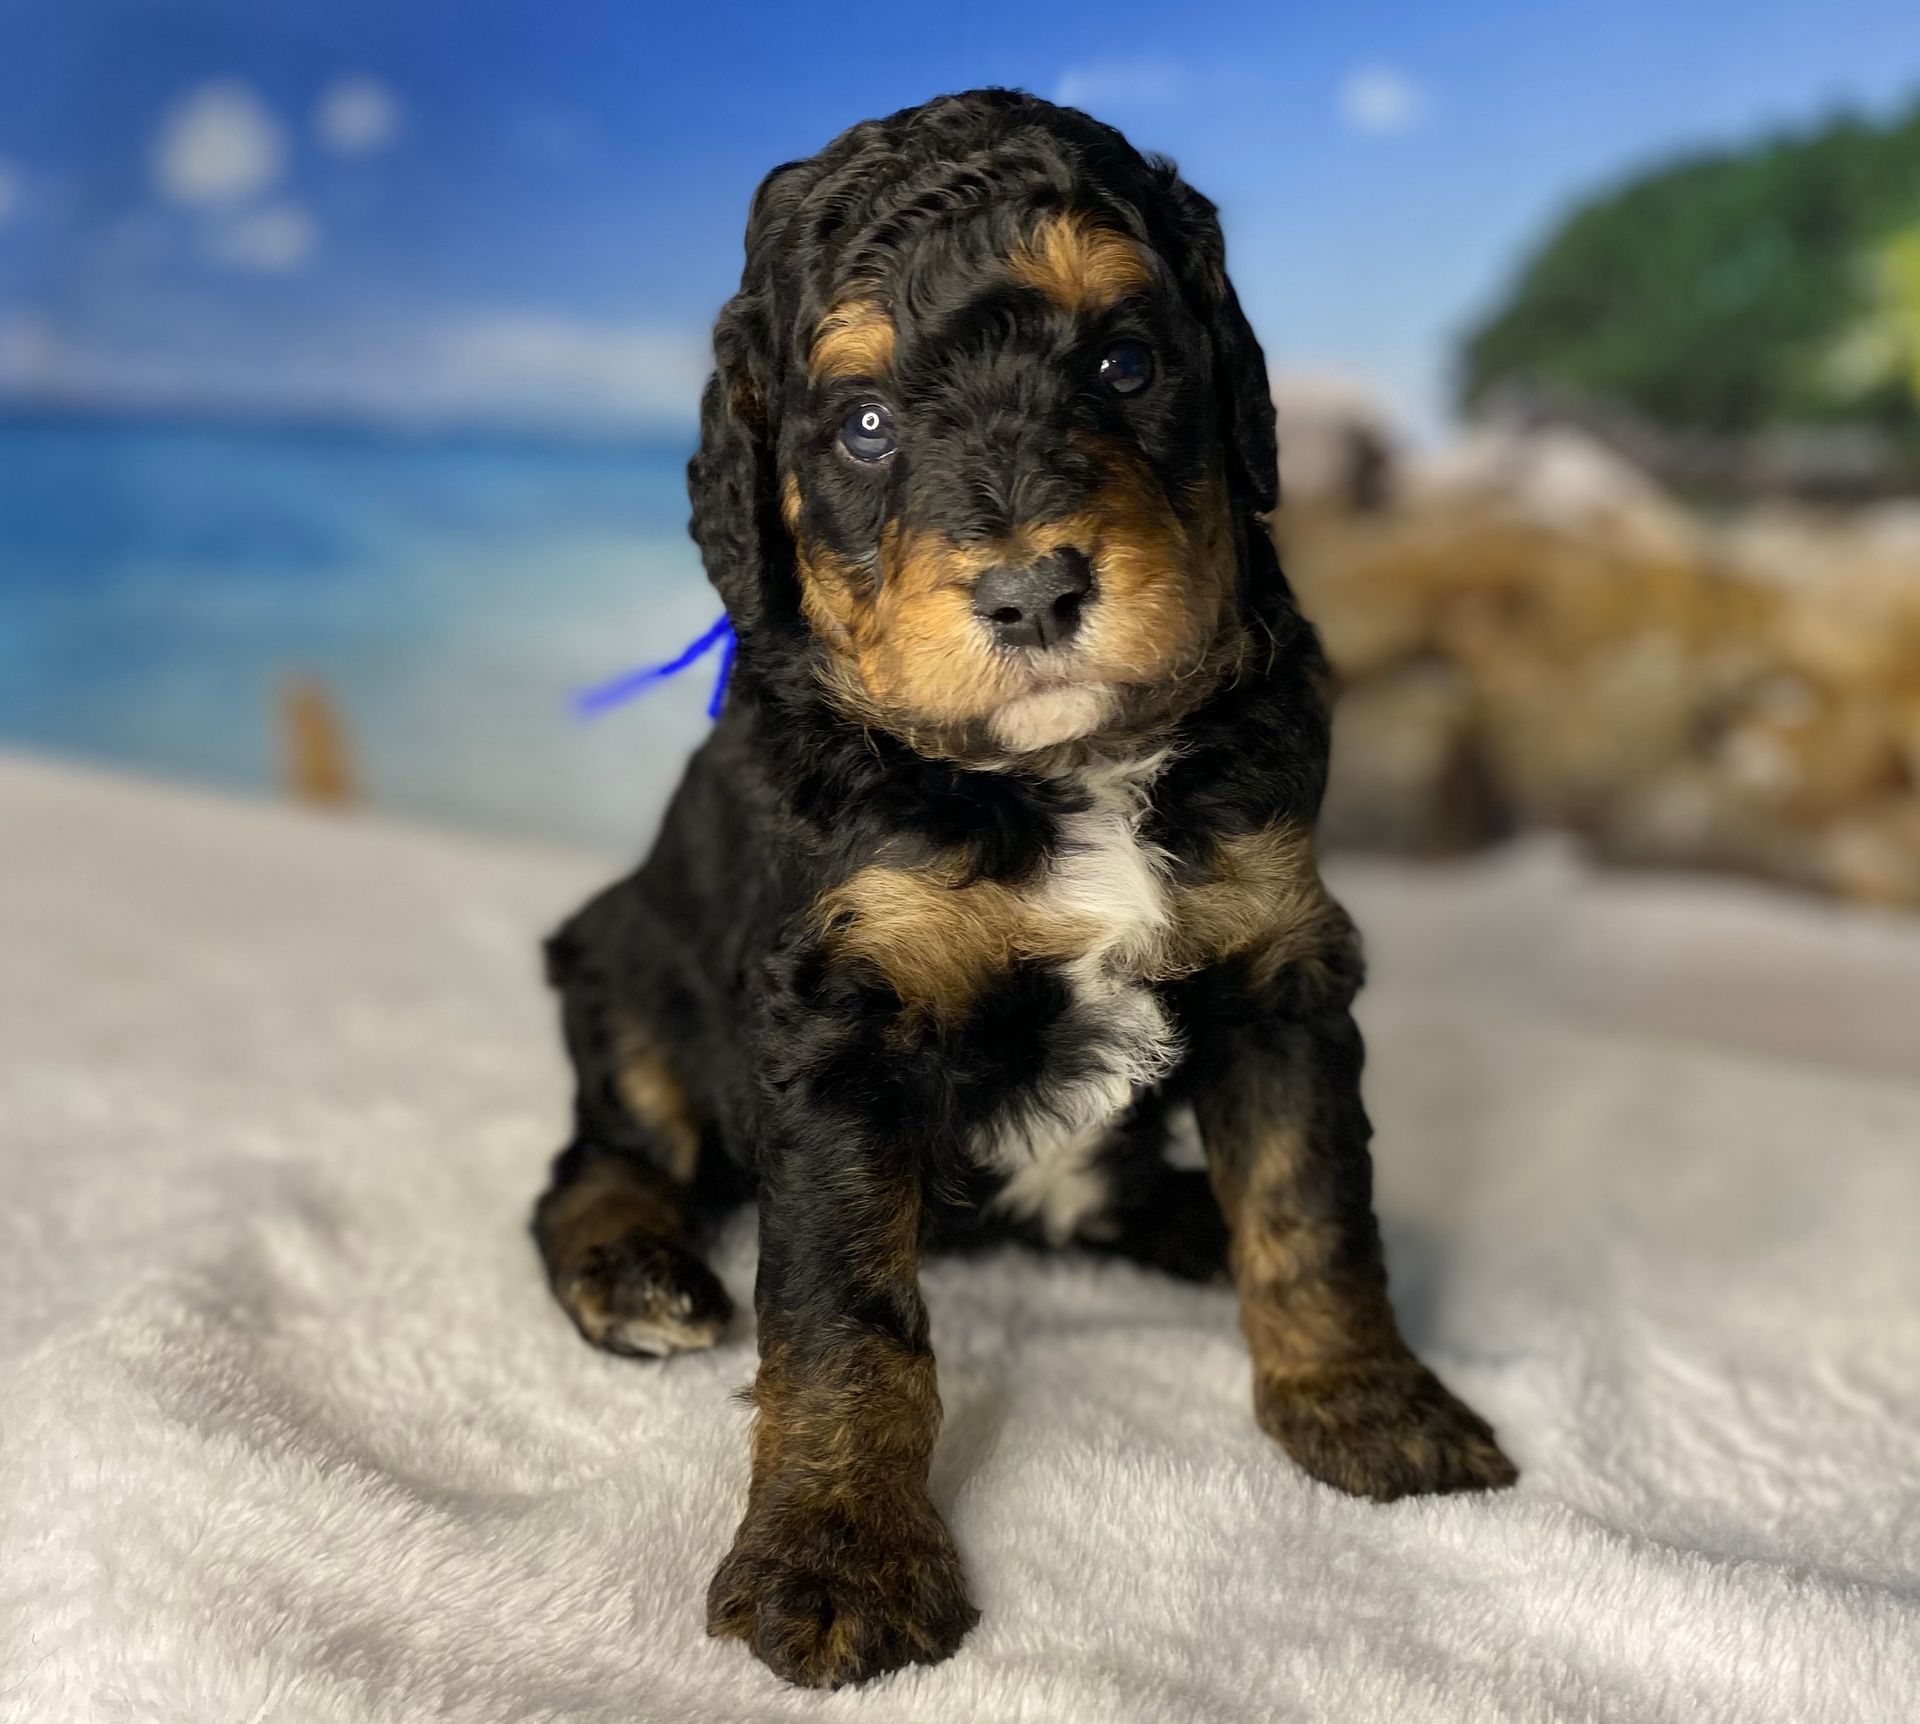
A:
<point x="1127" y="367"/>
<point x="867" y="432"/>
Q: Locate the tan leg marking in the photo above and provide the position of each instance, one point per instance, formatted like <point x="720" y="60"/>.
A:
<point x="841" y="1568"/>
<point x="651" y="1092"/>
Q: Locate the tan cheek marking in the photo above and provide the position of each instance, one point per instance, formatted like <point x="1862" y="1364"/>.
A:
<point x="926" y="653"/>
<point x="1167" y="590"/>
<point x="838" y="604"/>
<point x="1080" y="265"/>
<point x="908" y="649"/>
<point x="923" y="652"/>
<point x="854" y="339"/>
<point x="827" y="598"/>
<point x="938" y="939"/>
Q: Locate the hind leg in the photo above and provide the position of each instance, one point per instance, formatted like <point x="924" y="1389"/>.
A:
<point x="1174" y="1226"/>
<point x="1147" y="1211"/>
<point x="633" y="1194"/>
<point x="616" y="1236"/>
<point x="1159" y="1215"/>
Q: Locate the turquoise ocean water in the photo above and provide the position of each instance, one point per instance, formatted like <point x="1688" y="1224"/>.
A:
<point x="158" y="582"/>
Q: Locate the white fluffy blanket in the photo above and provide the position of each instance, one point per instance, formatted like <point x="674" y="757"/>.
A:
<point x="292" y="1430"/>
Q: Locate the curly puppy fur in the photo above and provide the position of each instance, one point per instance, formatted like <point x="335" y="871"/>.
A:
<point x="940" y="929"/>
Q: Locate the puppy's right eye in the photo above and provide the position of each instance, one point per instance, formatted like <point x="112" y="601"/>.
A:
<point x="867" y="432"/>
<point x="1127" y="367"/>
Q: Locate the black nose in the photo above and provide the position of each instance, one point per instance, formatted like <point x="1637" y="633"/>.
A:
<point x="1034" y="604"/>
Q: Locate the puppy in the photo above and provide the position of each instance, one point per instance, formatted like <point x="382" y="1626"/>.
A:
<point x="1001" y="850"/>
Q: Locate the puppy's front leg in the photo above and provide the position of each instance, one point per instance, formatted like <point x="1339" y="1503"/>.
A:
<point x="841" y="1568"/>
<point x="1286" y="1139"/>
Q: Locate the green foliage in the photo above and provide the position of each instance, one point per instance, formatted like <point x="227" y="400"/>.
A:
<point x="1774" y="286"/>
<point x="1900" y="267"/>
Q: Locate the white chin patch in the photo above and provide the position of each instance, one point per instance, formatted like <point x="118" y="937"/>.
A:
<point x="1051" y="716"/>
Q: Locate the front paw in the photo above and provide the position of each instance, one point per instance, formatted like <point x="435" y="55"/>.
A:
<point x="824" y="1599"/>
<point x="1381" y="1428"/>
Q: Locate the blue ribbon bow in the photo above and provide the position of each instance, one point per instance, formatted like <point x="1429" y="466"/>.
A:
<point x="591" y="702"/>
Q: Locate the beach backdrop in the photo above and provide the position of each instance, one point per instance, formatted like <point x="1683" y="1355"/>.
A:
<point x="349" y="356"/>
<point x="172" y="582"/>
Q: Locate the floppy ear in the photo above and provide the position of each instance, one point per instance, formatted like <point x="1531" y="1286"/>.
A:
<point x="1199" y="256"/>
<point x="736" y="522"/>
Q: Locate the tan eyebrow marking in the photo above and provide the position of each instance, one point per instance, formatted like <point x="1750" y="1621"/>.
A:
<point x="1080" y="265"/>
<point x="854" y="339"/>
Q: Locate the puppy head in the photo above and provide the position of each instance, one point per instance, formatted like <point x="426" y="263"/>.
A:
<point x="988" y="432"/>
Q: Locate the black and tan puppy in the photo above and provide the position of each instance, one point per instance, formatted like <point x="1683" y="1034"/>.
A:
<point x="1002" y="849"/>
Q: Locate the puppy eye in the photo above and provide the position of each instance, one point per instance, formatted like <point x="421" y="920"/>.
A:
<point x="867" y="432"/>
<point x="1127" y="367"/>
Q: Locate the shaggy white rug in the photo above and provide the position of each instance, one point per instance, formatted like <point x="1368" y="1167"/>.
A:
<point x="292" y="1430"/>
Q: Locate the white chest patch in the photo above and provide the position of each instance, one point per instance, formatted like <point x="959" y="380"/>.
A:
<point x="1116" y="1039"/>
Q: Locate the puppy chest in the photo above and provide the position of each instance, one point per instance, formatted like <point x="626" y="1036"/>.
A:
<point x="1105" y="897"/>
<point x="1101" y="921"/>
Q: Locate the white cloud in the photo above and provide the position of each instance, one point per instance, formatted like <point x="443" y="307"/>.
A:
<point x="558" y="369"/>
<point x="9" y="190"/>
<point x="524" y="368"/>
<point x="357" y="116"/>
<point x="1121" y="84"/>
<point x="1378" y="100"/>
<point x="272" y="240"/>
<point x="28" y="349"/>
<point x="218" y="144"/>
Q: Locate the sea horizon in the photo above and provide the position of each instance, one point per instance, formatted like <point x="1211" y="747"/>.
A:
<point x="165" y="575"/>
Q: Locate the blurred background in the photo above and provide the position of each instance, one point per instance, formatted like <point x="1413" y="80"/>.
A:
<point x="349" y="356"/>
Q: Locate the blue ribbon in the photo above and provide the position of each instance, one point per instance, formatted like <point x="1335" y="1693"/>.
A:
<point x="591" y="702"/>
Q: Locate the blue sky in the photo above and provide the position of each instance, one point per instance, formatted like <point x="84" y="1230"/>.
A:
<point x="419" y="209"/>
